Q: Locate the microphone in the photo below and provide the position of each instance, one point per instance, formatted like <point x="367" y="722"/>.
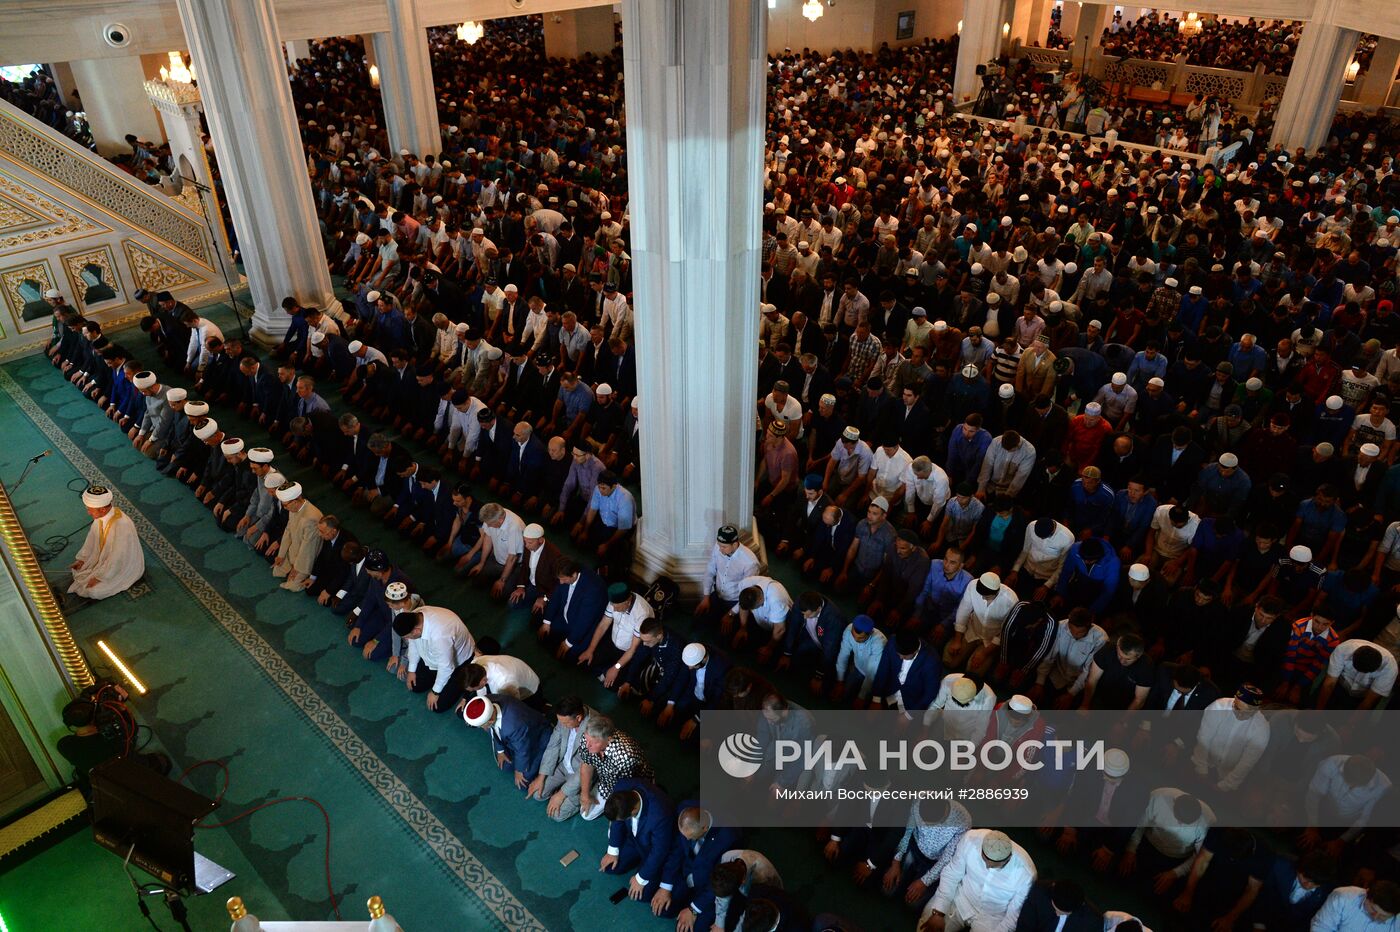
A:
<point x="35" y="459"/>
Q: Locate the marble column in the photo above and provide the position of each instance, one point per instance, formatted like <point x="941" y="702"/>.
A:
<point x="1030" y="23"/>
<point x="113" y="91"/>
<point x="1309" y="103"/>
<point x="979" y="42"/>
<point x="406" y="81"/>
<point x="1088" y="35"/>
<point x="575" y="33"/>
<point x="1376" y="82"/>
<point x="248" y="103"/>
<point x="695" y="72"/>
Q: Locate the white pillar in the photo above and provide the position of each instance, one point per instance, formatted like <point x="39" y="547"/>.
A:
<point x="114" y="95"/>
<point x="1088" y="34"/>
<point x="1315" y="81"/>
<point x="575" y="33"/>
<point x="248" y="102"/>
<point x="1376" y="82"/>
<point x="1031" y="22"/>
<point x="296" y="50"/>
<point x="696" y="75"/>
<point x="978" y="43"/>
<point x="1069" y="18"/>
<point x="406" y="81"/>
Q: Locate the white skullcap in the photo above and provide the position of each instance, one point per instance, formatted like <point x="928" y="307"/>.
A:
<point x="881" y="503"/>
<point x="1300" y="554"/>
<point x="1253" y="383"/>
<point x="207" y="429"/>
<point x="1171" y="283"/>
<point x="1115" y="762"/>
<point x="1156" y="381"/>
<point x="317" y="337"/>
<point x="989" y="581"/>
<point x="273" y="479"/>
<point x="362" y="238"/>
<point x="970" y="371"/>
<point x="993" y="298"/>
<point x="1093" y="409"/>
<point x="1139" y="572"/>
<point x="636" y="403"/>
<point x="176" y="394"/>
<point x="976" y="268"/>
<point x="1119" y="378"/>
<point x="603" y="389"/>
<point x="1021" y="704"/>
<point x="1096" y="324"/>
<point x="144" y="379"/>
<point x="1071" y="268"/>
<point x="533" y="532"/>
<point x="355" y="346"/>
<point x="52" y="293"/>
<point x="1334" y="402"/>
<point x="1057" y="307"/>
<point x="1370" y="449"/>
<point x="1007" y="390"/>
<point x="260" y="455"/>
<point x="939" y="326"/>
<point x="196" y="409"/>
<point x="1229" y="460"/>
<point x="478" y="231"/>
<point x="289" y="494"/>
<point x="1195" y="290"/>
<point x="372" y="297"/>
<point x="1324" y="449"/>
<point x="97" y="496"/>
<point x="231" y="447"/>
<point x="396" y="591"/>
<point x="693" y="655"/>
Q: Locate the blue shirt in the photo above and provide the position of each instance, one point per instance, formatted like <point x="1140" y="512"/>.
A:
<point x="1143" y="369"/>
<point x="617" y="511"/>
<point x="576" y="402"/>
<point x="1131" y="522"/>
<point x="1090" y="509"/>
<point x="942" y="594"/>
<point x="1247" y="362"/>
<point x="1318" y="524"/>
<point x="965" y="456"/>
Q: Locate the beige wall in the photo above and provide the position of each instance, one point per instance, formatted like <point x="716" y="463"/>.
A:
<point x="859" y="24"/>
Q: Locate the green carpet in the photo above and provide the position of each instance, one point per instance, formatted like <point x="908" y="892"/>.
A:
<point x="243" y="671"/>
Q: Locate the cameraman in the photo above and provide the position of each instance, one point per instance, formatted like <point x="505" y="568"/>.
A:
<point x="101" y="728"/>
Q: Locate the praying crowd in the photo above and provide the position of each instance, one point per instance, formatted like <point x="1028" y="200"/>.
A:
<point x="1238" y="46"/>
<point x="1073" y="427"/>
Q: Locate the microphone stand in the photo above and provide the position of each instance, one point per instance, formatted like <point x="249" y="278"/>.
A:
<point x="33" y="461"/>
<point x="214" y="244"/>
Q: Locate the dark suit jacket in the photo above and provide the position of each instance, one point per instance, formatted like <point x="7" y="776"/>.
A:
<point x="1174" y="481"/>
<point x="920" y="686"/>
<point x="1038" y="914"/>
<point x="546" y="572"/>
<point x="717" y="667"/>
<point x="1203" y="695"/>
<point x="524" y="734"/>
<point x="594" y="362"/>
<point x="915" y="429"/>
<point x="695" y="865"/>
<point x="1272" y="906"/>
<point x="655" y="838"/>
<point x="525" y="466"/>
<point x="813" y="340"/>
<point x="436" y="511"/>
<point x="329" y="569"/>
<point x="586" y="608"/>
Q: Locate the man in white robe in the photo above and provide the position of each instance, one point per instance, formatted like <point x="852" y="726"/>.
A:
<point x="296" y="554"/>
<point x="1231" y="739"/>
<point x="111" y="559"/>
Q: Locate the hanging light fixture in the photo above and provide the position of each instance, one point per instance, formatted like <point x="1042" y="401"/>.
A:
<point x="772" y="4"/>
<point x="470" y="31"/>
<point x="177" y="71"/>
<point x="812" y="10"/>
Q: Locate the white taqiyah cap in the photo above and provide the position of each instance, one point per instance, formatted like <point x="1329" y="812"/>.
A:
<point x="990" y="581"/>
<point x="533" y="532"/>
<point x="206" y="430"/>
<point x="1171" y="283"/>
<point x="603" y="389"/>
<point x="372" y="297"/>
<point x="1254" y="383"/>
<point x="1093" y="409"/>
<point x="993" y="298"/>
<point x="1007" y="390"/>
<point x="355" y="346"/>
<point x="1370" y="449"/>
<point x="1119" y="378"/>
<point x="1139" y="572"/>
<point x="52" y="293"/>
<point x="396" y="591"/>
<point x="273" y="479"/>
<point x="1229" y="460"/>
<point x="176" y="394"/>
<point x="289" y="493"/>
<point x="231" y="447"/>
<point x="196" y="408"/>
<point x="1334" y="403"/>
<point x="97" y="496"/>
<point x="693" y="655"/>
<point x="1300" y="554"/>
<point x="260" y="455"/>
<point x="362" y="238"/>
<point x="317" y="337"/>
<point x="881" y="503"/>
<point x="1020" y="703"/>
<point x="1156" y="381"/>
<point x="1195" y="290"/>
<point x="1115" y="763"/>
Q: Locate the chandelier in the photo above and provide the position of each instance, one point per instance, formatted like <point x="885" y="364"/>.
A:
<point x="812" y="9"/>
<point x="470" y="31"/>
<point x="178" y="71"/>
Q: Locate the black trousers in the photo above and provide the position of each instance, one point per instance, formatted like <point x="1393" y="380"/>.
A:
<point x="447" y="699"/>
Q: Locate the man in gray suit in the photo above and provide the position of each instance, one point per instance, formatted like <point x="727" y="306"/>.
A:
<point x="559" y="768"/>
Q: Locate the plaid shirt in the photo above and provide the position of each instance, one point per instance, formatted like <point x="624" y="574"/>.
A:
<point x="622" y="757"/>
<point x="1307" y="653"/>
<point x="862" y="358"/>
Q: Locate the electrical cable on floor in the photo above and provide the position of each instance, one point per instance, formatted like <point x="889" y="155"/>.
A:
<point x="330" y="887"/>
<point x="57" y="543"/>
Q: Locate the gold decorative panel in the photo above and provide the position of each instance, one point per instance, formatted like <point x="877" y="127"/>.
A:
<point x="47" y="219"/>
<point x="102" y="184"/>
<point x="153" y="272"/>
<point x="24" y="287"/>
<point x="94" y="279"/>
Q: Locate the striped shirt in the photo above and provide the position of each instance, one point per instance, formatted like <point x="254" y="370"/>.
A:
<point x="1308" y="652"/>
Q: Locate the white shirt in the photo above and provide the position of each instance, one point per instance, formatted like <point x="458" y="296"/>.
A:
<point x="507" y="539"/>
<point x="1228" y="745"/>
<point x="963" y="722"/>
<point x="980" y="620"/>
<point x="625" y="625"/>
<point x="1043" y="558"/>
<point x="508" y="676"/>
<point x="1345" y="911"/>
<point x="986" y="900"/>
<point x="1348" y="804"/>
<point x="890" y="470"/>
<point x="1168" y="836"/>
<point x="723" y="574"/>
<point x="1356" y="683"/>
<point x="444" y="645"/>
<point x="1171" y="540"/>
<point x="198" y="353"/>
<point x="1067" y="664"/>
<point x="933" y="491"/>
<point x="776" y="601"/>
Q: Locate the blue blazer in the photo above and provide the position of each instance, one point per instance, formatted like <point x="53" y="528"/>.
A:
<point x="655" y="838"/>
<point x="437" y="513"/>
<point x="524" y="735"/>
<point x="585" y="609"/>
<point x="375" y="616"/>
<point x="831" y="624"/>
<point x="1272" y="906"/>
<point x="920" y="686"/>
<point x="695" y="866"/>
<point x="716" y="669"/>
<point x="668" y="655"/>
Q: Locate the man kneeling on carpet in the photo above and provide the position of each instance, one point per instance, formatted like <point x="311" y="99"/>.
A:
<point x="110" y="560"/>
<point x="300" y="544"/>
